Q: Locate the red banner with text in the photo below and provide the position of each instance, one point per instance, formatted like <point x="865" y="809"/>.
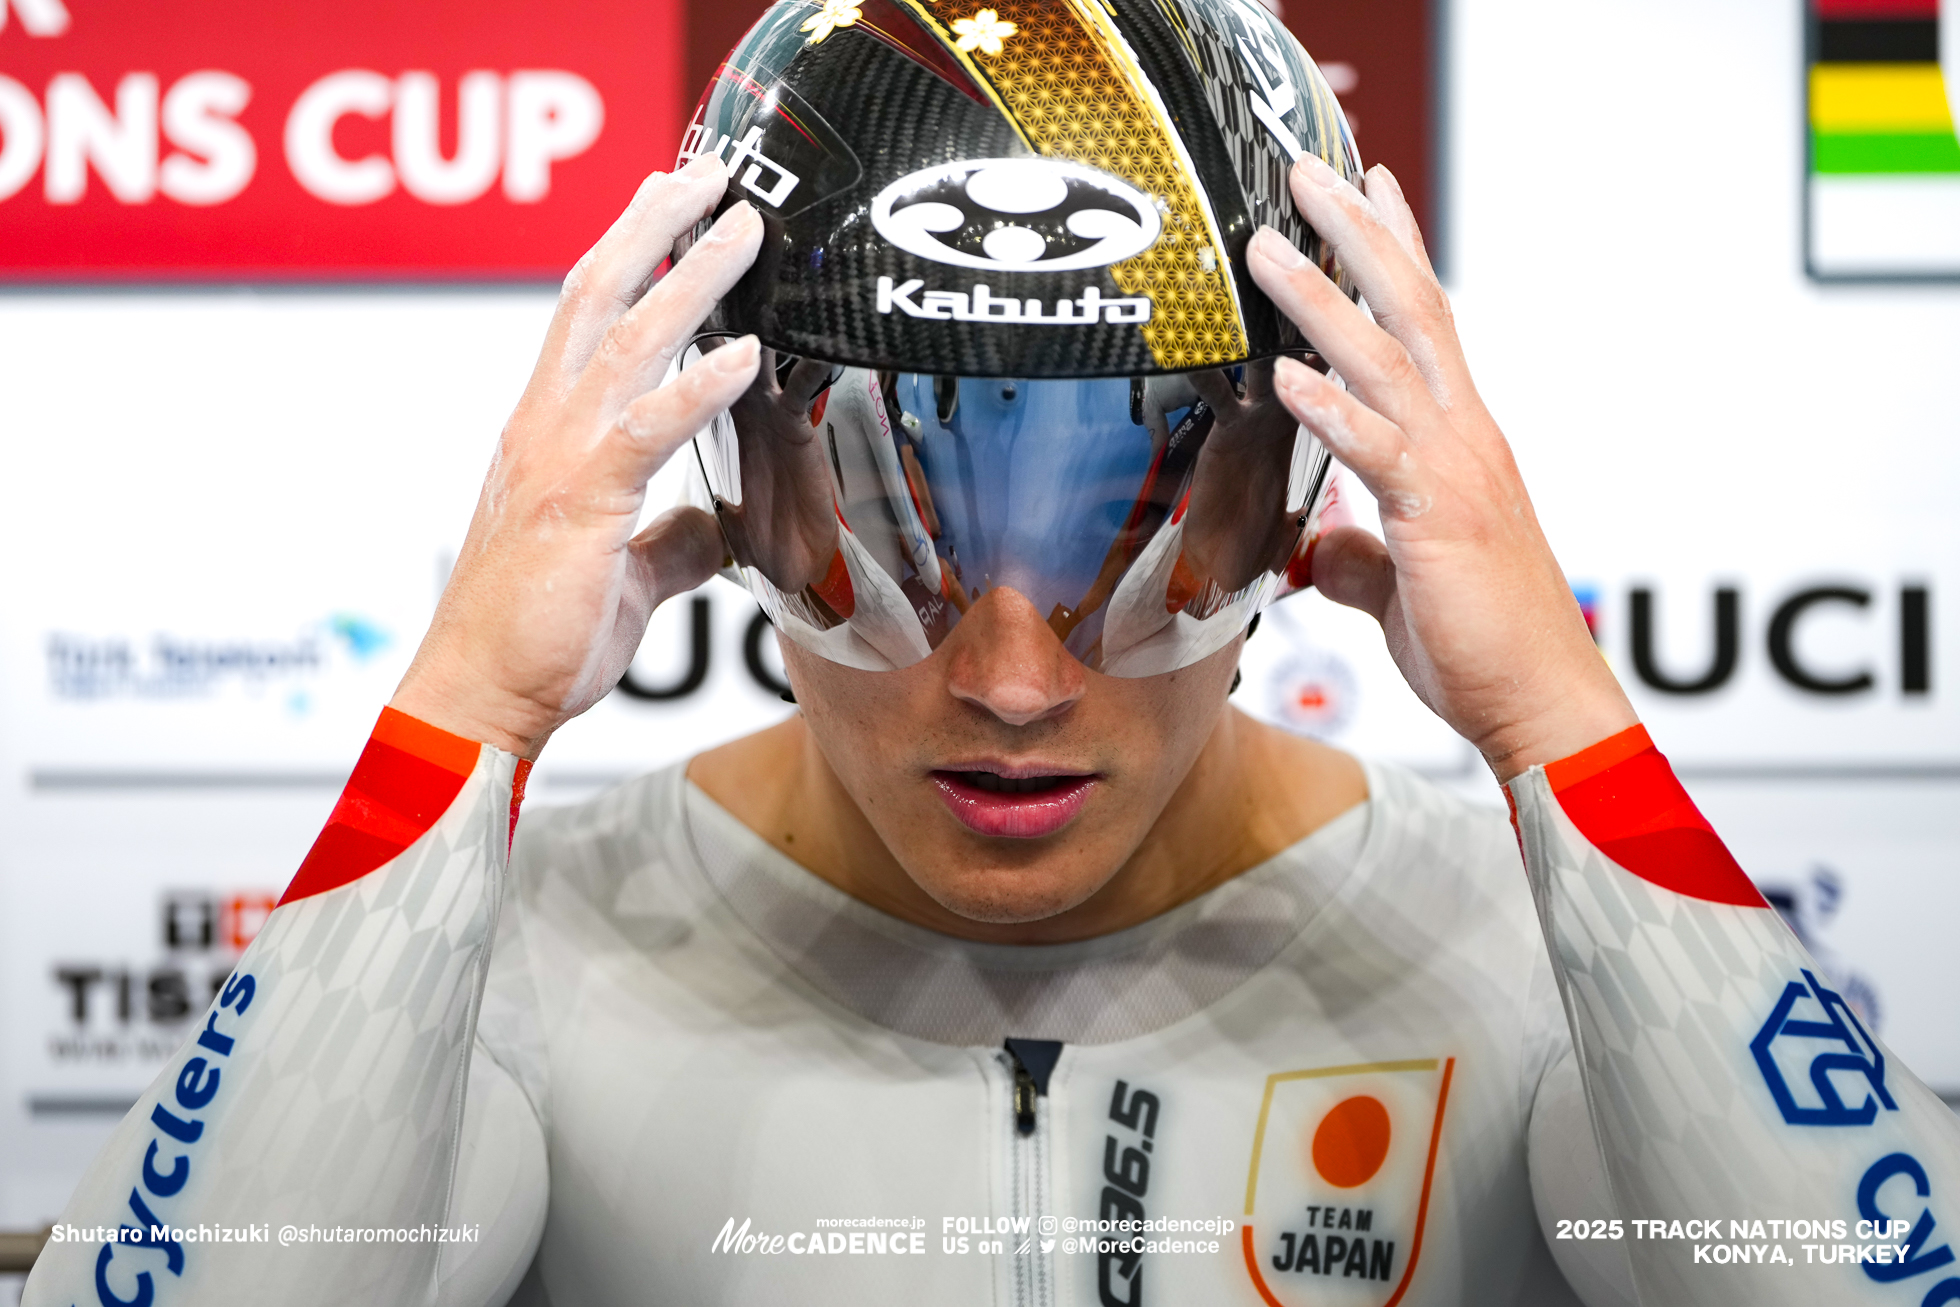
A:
<point x="274" y="140"/>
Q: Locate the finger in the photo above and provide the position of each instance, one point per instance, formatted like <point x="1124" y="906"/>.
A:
<point x="806" y="378"/>
<point x="1367" y="443"/>
<point x="1375" y="363"/>
<point x="613" y="274"/>
<point x="656" y="424"/>
<point x="1385" y="193"/>
<point x="678" y="551"/>
<point x="1215" y="389"/>
<point x="639" y="348"/>
<point x="1405" y="298"/>
<point x="1352" y="567"/>
<point x="1258" y="381"/>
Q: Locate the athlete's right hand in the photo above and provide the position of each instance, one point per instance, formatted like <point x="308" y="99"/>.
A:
<point x="552" y="589"/>
<point x="786" y="525"/>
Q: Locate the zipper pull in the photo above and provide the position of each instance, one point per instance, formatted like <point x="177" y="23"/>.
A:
<point x="1023" y="1098"/>
<point x="1034" y="1061"/>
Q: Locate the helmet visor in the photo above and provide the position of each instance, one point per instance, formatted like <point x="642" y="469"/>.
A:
<point x="1146" y="519"/>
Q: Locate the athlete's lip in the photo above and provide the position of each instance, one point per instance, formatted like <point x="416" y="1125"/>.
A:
<point x="1011" y="814"/>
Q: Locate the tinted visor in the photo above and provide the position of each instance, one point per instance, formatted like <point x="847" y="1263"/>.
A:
<point x="1148" y="519"/>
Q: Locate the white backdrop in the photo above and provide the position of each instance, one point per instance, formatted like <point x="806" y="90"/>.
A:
<point x="225" y="517"/>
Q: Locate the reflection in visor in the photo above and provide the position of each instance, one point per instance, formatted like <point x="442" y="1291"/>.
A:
<point x="1148" y="520"/>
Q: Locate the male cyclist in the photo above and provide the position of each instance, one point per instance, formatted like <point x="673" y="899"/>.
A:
<point x="1017" y="966"/>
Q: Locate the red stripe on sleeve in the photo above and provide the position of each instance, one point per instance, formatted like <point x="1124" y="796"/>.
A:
<point x="407" y="776"/>
<point x="430" y="743"/>
<point x="517" y="784"/>
<point x="1625" y="800"/>
<point x="1877" y="9"/>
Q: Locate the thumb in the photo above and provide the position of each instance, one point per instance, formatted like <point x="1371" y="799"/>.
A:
<point x="678" y="551"/>
<point x="1352" y="567"/>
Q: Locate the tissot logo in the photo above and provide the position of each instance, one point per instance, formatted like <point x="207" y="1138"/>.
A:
<point x="1016" y="215"/>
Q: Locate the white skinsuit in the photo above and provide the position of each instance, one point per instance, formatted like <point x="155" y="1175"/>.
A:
<point x="649" y="1059"/>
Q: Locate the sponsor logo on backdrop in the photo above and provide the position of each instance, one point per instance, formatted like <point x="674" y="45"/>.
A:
<point x="763" y="666"/>
<point x="170" y="666"/>
<point x="128" y="1013"/>
<point x="1313" y="692"/>
<point x="1016" y="215"/>
<point x="1813" y="1051"/>
<point x="1587" y="597"/>
<point x="249" y="141"/>
<point x="513" y="127"/>
<point x="37" y="17"/>
<point x="1311" y="689"/>
<point x="183" y="141"/>
<point x="1343" y="1159"/>
<point x="1896" y="623"/>
<point x="1884" y="160"/>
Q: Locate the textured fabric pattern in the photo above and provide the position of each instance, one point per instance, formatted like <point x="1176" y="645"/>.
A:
<point x="686" y="1073"/>
<point x="1099" y="991"/>
<point x="694" y="1060"/>
<point x="326" y="1090"/>
<point x="1668" y="995"/>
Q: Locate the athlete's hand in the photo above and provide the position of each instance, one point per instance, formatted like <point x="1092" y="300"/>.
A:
<point x="786" y="525"/>
<point x="552" y="590"/>
<point x="1241" y="479"/>
<point x="1477" y="613"/>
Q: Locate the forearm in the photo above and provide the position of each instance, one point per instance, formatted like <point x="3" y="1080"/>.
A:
<point x="324" y="1088"/>
<point x="1724" y="1078"/>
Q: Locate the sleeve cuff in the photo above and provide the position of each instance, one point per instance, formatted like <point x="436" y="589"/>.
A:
<point x="1627" y="803"/>
<point x="407" y="777"/>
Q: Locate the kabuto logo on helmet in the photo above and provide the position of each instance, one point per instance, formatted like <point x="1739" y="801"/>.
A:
<point x="780" y="152"/>
<point x="1016" y="215"/>
<point x="1273" y="95"/>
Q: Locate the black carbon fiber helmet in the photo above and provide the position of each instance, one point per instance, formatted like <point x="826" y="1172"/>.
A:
<point x="896" y="150"/>
<point x="1014" y="337"/>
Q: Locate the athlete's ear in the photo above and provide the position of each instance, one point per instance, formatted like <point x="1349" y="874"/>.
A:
<point x="1005" y="660"/>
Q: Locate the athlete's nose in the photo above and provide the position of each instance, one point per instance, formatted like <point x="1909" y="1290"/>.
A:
<point x="1006" y="660"/>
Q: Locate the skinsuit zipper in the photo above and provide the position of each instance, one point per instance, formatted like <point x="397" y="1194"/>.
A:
<point x="1031" y="1062"/>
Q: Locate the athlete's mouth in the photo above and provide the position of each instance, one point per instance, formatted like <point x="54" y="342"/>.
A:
<point x="995" y="783"/>
<point x="1013" y="802"/>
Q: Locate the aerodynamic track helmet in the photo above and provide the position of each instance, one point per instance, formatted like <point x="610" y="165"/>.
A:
<point x="1011" y="338"/>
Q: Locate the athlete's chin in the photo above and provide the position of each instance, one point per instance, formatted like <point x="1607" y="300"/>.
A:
<point x="1009" y="898"/>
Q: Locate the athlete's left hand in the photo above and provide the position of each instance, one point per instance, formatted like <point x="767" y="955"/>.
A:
<point x="1477" y="612"/>
<point x="1241" y="479"/>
